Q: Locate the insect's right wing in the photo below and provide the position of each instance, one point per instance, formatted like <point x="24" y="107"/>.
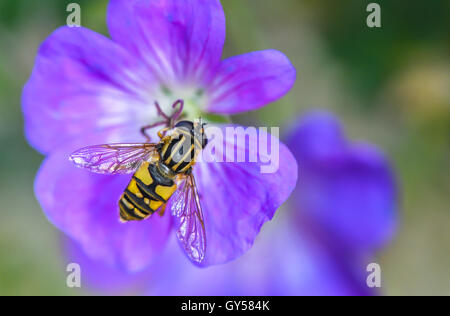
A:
<point x="113" y="158"/>
<point x="185" y="204"/>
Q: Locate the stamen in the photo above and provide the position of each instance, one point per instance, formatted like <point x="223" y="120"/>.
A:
<point x="160" y="111"/>
<point x="169" y="121"/>
<point x="177" y="113"/>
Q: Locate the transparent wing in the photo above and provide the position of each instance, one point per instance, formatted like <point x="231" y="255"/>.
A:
<point x="187" y="208"/>
<point x="113" y="158"/>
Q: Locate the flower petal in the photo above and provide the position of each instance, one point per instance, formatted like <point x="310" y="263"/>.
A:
<point x="250" y="81"/>
<point x="316" y="136"/>
<point x="281" y="263"/>
<point x="349" y="190"/>
<point x="177" y="39"/>
<point x="237" y="198"/>
<point x="102" y="278"/>
<point x="84" y="206"/>
<point x="82" y="84"/>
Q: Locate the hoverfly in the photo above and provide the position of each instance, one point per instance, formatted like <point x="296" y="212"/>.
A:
<point x="161" y="171"/>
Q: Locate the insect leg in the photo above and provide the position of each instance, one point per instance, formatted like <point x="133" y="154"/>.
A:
<point x="147" y="127"/>
<point x="162" y="133"/>
<point x="162" y="210"/>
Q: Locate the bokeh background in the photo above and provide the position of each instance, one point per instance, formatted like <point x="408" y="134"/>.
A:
<point x="389" y="86"/>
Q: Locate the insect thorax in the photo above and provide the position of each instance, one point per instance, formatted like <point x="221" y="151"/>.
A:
<point x="178" y="153"/>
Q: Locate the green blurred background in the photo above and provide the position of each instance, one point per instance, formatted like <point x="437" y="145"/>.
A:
<point x="389" y="86"/>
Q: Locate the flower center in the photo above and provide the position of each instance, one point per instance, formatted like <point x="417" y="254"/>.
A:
<point x="194" y="100"/>
<point x="193" y="104"/>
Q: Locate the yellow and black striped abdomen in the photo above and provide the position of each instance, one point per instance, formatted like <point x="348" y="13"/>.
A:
<point x="147" y="191"/>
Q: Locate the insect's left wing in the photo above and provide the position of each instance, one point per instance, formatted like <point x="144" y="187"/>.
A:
<point x="113" y="158"/>
<point x="191" y="231"/>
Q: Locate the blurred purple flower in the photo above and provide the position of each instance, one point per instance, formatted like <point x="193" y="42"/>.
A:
<point x="344" y="210"/>
<point x="347" y="200"/>
<point x="86" y="89"/>
<point x="347" y="196"/>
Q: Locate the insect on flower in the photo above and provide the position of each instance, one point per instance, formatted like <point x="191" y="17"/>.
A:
<point x="88" y="89"/>
<point x="162" y="171"/>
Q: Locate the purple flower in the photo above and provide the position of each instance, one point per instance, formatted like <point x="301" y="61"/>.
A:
<point x="86" y="89"/>
<point x="308" y="252"/>
<point x="346" y="203"/>
<point x="351" y="198"/>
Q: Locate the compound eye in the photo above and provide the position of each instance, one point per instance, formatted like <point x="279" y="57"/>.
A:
<point x="185" y="124"/>
<point x="204" y="140"/>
